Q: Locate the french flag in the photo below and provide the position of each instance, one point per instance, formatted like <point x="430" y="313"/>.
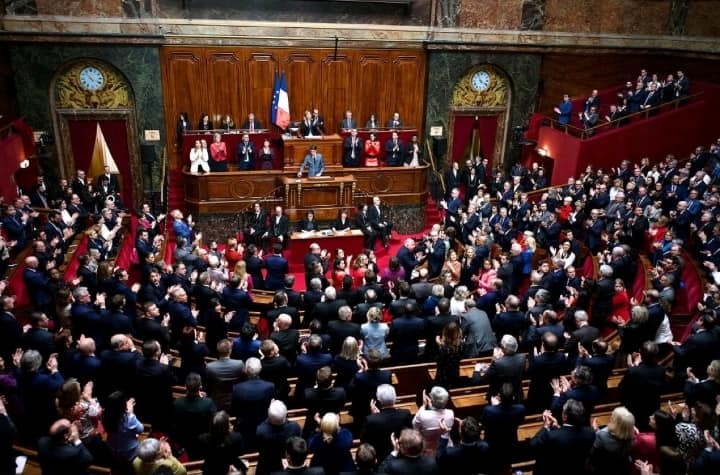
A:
<point x="282" y="112"/>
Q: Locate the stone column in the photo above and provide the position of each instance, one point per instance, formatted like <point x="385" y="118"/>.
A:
<point x="677" y="18"/>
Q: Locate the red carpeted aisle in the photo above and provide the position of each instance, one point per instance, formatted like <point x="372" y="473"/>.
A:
<point x="175" y="201"/>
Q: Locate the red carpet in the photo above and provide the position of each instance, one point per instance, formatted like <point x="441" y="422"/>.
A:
<point x="175" y="201"/>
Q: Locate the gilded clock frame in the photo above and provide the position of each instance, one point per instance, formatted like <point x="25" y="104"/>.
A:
<point x="113" y="101"/>
<point x="493" y="101"/>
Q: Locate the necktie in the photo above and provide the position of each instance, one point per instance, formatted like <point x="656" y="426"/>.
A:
<point x="252" y="126"/>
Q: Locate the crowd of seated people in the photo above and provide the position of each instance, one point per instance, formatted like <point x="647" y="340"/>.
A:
<point x="646" y="92"/>
<point x="95" y="367"/>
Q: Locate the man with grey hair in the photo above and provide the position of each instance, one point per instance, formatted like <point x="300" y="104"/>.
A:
<point x="153" y="454"/>
<point x="479" y="336"/>
<point x="584" y="335"/>
<point x="250" y="400"/>
<point x="602" y="301"/>
<point x="327" y="308"/>
<point x="86" y="318"/>
<point x="507" y="366"/>
<point x="384" y="421"/>
<point x="343" y="328"/>
<point x="271" y="436"/>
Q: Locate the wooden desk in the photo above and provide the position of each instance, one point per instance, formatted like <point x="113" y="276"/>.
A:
<point x="329" y="146"/>
<point x="325" y="196"/>
<point x="351" y="242"/>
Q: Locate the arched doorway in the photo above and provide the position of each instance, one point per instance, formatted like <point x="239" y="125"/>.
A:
<point x="479" y="110"/>
<point x="86" y="93"/>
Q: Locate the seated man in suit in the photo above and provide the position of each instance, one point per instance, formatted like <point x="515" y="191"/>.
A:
<point x="394" y="122"/>
<point x="348" y="122"/>
<point x="251" y="124"/>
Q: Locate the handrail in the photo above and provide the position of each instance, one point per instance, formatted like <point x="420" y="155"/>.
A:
<point x="589" y="132"/>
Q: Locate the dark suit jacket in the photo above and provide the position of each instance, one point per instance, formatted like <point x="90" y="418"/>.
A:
<point x="405" y="333"/>
<point x="584" y="335"/>
<point x="562" y="451"/>
<point x="222" y="375"/>
<point x="280" y="228"/>
<point x="246" y="154"/>
<point x="277" y="371"/>
<point x="250" y="402"/>
<point x="588" y="395"/>
<point x="348" y="149"/>
<point x="339" y="330"/>
<point x="277" y="267"/>
<point x="271" y="444"/>
<point x="153" y="392"/>
<point x="640" y="391"/>
<point x="321" y="401"/>
<point x="698" y="351"/>
<point x="362" y="389"/>
<point x="378" y="428"/>
<point x="543" y="368"/>
<point x="400" y="465"/>
<point x="65" y="459"/>
<point x="287" y="342"/>
<point x="508" y="369"/>
<point x="37" y="286"/>
<point x="463" y="459"/>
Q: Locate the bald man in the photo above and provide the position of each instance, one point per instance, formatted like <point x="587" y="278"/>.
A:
<point x="62" y="451"/>
<point x="37" y="285"/>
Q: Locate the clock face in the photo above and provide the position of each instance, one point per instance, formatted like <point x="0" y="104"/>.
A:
<point x="91" y="78"/>
<point x="480" y="81"/>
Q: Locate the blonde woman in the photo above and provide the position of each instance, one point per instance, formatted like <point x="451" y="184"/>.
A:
<point x="374" y="333"/>
<point x="610" y="453"/>
<point x="330" y="445"/>
<point x="241" y="272"/>
<point x="348" y="362"/>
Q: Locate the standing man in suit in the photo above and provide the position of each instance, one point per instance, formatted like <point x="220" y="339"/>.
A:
<point x="246" y="154"/>
<point x="436" y="254"/>
<point x="251" y="124"/>
<point x="394" y="122"/>
<point x="584" y="335"/>
<point x="318" y="123"/>
<point x="256" y="225"/>
<point x="37" y="285"/>
<point x="682" y="85"/>
<point x="279" y="229"/>
<point x="223" y="374"/>
<point x="563" y="449"/>
<point x="362" y="221"/>
<point x="352" y="150"/>
<point x="112" y="180"/>
<point x="277" y="267"/>
<point x="379" y="222"/>
<point x="272" y="435"/>
<point x="250" y="400"/>
<point x="642" y="385"/>
<point x="394" y="151"/>
<point x="62" y="451"/>
<point x="507" y="367"/>
<point x="363" y="387"/>
<point x="384" y="421"/>
<point x="348" y="122"/>
<point x="314" y="163"/>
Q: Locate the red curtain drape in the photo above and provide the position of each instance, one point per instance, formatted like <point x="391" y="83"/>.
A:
<point x="82" y="138"/>
<point x="11" y="152"/>
<point x="462" y="133"/>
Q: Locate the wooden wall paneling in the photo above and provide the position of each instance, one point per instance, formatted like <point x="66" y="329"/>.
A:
<point x="407" y="77"/>
<point x="225" y="94"/>
<point x="303" y="82"/>
<point x="337" y="80"/>
<point x="371" y="95"/>
<point x="183" y="76"/>
<point x="258" y="81"/>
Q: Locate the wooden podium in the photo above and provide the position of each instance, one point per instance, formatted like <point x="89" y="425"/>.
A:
<point x="325" y="196"/>
<point x="329" y="146"/>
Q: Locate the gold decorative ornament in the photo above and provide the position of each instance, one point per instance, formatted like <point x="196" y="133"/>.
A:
<point x="483" y="86"/>
<point x="89" y="84"/>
